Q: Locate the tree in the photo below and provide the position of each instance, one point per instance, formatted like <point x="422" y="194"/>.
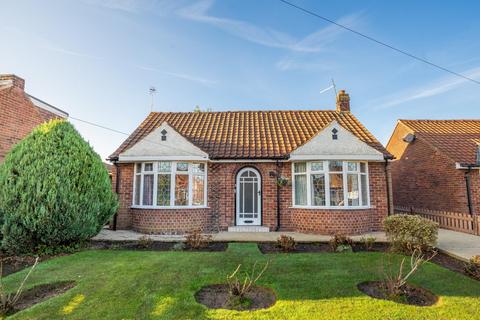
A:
<point x="54" y="190"/>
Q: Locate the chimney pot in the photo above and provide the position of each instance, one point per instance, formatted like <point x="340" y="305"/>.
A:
<point x="343" y="101"/>
<point x="12" y="80"/>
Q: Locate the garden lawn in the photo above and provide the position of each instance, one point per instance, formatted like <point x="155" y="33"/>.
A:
<point x="161" y="285"/>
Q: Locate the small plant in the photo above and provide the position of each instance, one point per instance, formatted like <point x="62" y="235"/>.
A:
<point x="286" y="243"/>
<point x="396" y="277"/>
<point x="473" y="267"/>
<point x="145" y="242"/>
<point x="9" y="300"/>
<point x="282" y="181"/>
<point x="368" y="242"/>
<point x="340" y="240"/>
<point x="239" y="287"/>
<point x="178" y="246"/>
<point x="197" y="240"/>
<point x="408" y="233"/>
<point x="344" y="248"/>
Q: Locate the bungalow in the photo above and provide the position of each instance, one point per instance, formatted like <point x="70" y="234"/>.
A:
<point x="20" y="112"/>
<point x="307" y="171"/>
<point x="436" y="171"/>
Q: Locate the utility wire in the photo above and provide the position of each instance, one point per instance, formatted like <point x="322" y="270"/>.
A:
<point x="126" y="134"/>
<point x="379" y="42"/>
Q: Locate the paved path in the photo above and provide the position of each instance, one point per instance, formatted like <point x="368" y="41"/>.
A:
<point x="125" y="235"/>
<point x="457" y="244"/>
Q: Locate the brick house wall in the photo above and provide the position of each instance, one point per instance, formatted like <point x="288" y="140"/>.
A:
<point x="424" y="178"/>
<point x="220" y="213"/>
<point x="18" y="115"/>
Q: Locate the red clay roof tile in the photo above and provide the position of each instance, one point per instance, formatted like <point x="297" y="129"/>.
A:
<point x="457" y="139"/>
<point x="250" y="134"/>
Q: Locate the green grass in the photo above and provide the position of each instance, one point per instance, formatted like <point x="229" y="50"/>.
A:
<point x="160" y="285"/>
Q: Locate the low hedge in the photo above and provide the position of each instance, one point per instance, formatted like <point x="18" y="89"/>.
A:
<point x="409" y="232"/>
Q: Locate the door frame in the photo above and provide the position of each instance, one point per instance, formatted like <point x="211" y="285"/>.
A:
<point x="237" y="195"/>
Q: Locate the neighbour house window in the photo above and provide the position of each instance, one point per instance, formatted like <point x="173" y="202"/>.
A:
<point x="169" y="183"/>
<point x="331" y="183"/>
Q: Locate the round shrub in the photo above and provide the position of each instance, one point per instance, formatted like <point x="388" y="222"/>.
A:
<point x="54" y="190"/>
<point x="409" y="232"/>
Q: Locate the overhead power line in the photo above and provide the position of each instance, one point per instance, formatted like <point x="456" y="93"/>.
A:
<point x="379" y="42"/>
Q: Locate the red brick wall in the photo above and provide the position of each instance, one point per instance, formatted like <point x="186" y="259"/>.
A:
<point x="220" y="213"/>
<point x="424" y="178"/>
<point x="18" y="115"/>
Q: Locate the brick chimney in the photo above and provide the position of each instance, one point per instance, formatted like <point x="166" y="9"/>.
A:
<point x="343" y="101"/>
<point x="11" y="80"/>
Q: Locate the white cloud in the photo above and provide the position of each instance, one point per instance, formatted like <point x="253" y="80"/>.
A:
<point x="188" y="77"/>
<point x="158" y="7"/>
<point x="435" y="88"/>
<point x="313" y="42"/>
<point x="70" y="52"/>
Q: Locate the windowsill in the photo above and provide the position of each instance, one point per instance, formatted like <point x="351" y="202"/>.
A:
<point x="169" y="207"/>
<point x="330" y="208"/>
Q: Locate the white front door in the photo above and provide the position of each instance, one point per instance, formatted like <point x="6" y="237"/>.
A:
<point x="249" y="198"/>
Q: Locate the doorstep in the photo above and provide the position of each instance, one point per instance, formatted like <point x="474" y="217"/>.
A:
<point x="248" y="229"/>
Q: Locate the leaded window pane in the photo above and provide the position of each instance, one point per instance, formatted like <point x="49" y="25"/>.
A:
<point x="163" y="189"/>
<point x="181" y="190"/>
<point x="182" y="166"/>
<point x="336" y="189"/>
<point x="164" y="166"/>
<point x="147" y="199"/>
<point x="353" y="190"/>
<point x="318" y="189"/>
<point x="198" y="167"/>
<point x="300" y="190"/>
<point x="335" y="165"/>
<point x="352" y="166"/>
<point x="300" y="167"/>
<point x="198" y="190"/>
<point x="316" y="166"/>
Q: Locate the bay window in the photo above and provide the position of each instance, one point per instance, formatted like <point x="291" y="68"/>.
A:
<point x="169" y="184"/>
<point x="332" y="183"/>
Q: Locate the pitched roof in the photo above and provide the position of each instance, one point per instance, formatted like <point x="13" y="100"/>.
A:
<point x="250" y="134"/>
<point x="457" y="139"/>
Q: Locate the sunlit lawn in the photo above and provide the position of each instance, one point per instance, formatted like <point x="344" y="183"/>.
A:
<point x="161" y="285"/>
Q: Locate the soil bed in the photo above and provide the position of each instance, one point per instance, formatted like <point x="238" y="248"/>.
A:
<point x="412" y="295"/>
<point x="271" y="247"/>
<point x="12" y="264"/>
<point x="451" y="264"/>
<point x="41" y="293"/>
<point x="154" y="246"/>
<point x="217" y="296"/>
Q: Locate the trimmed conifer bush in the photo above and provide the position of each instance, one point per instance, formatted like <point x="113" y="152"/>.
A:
<point x="54" y="190"/>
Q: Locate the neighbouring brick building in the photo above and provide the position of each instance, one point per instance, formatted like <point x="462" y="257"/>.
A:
<point x="309" y="171"/>
<point x="20" y="112"/>
<point x="436" y="170"/>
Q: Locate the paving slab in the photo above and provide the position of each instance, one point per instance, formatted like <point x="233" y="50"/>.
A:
<point x="460" y="245"/>
<point x="129" y="235"/>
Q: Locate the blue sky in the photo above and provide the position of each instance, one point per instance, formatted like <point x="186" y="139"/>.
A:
<point x="97" y="59"/>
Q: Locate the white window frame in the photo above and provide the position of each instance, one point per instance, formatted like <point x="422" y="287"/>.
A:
<point x="327" y="173"/>
<point x="173" y="172"/>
